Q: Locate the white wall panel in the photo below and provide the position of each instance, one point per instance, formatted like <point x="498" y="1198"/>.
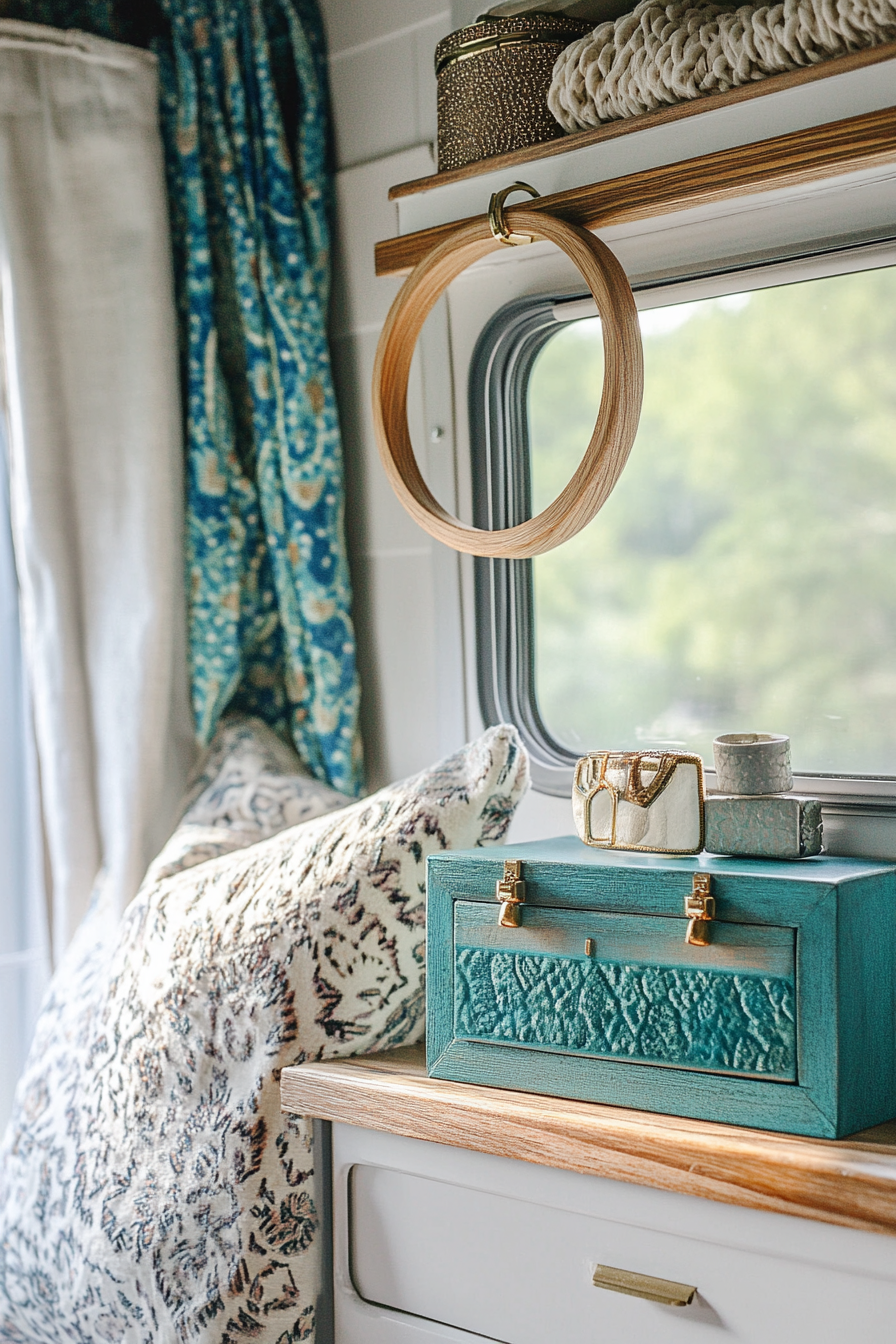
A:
<point x="374" y="99"/>
<point x="364" y="215"/>
<point x="384" y="91"/>
<point x="425" y="40"/>
<point x="352" y="23"/>
<point x="396" y="620"/>
<point x="407" y="602"/>
<point x="466" y="11"/>
<point x="375" y="520"/>
<point x="540" y="817"/>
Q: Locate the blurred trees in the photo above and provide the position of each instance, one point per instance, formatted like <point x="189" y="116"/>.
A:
<point x="742" y="576"/>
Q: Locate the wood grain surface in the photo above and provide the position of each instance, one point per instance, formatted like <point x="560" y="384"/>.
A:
<point x="784" y="161"/>
<point x="515" y="158"/>
<point x="851" y="1182"/>
<point x="617" y="418"/>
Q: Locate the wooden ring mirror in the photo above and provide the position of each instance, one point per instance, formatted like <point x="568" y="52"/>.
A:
<point x="617" y="418"/>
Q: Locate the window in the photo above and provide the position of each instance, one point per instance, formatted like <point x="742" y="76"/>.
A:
<point x="740" y="576"/>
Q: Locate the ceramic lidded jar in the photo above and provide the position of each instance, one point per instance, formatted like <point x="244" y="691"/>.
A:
<point x="753" y="763"/>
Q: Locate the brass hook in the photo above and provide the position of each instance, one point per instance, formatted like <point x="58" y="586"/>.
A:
<point x="496" y="220"/>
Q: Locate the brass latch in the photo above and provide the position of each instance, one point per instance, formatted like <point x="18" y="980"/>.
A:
<point x="511" y="892"/>
<point x="700" y="909"/>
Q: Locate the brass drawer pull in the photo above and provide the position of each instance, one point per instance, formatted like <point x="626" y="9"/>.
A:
<point x="667" y="1291"/>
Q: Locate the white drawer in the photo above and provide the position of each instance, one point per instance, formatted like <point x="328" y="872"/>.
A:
<point x="520" y="1271"/>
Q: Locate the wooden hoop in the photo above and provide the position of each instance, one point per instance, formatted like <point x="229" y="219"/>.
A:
<point x="617" y="418"/>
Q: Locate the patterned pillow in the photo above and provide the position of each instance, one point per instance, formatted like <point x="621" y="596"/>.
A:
<point x="150" y="1189"/>
<point x="250" y="785"/>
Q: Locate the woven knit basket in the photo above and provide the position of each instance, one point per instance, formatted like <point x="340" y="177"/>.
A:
<point x="493" y="83"/>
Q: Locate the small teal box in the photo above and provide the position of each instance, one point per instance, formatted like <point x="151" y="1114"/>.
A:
<point x="782" y="1018"/>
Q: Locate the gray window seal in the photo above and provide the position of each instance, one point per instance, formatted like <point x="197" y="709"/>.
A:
<point x="505" y="660"/>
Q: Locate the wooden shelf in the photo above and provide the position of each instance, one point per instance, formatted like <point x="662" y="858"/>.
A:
<point x="851" y="1182"/>
<point x="855" y="143"/>
<point x="517" y="158"/>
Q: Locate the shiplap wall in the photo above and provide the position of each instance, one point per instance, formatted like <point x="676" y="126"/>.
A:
<point x="406" y="589"/>
<point x="381" y="74"/>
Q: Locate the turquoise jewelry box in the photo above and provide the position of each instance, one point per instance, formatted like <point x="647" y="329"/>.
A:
<point x="746" y="991"/>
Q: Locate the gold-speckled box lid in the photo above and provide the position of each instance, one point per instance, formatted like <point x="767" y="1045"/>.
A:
<point x="488" y="33"/>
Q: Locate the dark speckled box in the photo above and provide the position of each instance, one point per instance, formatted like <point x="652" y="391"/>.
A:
<point x="784" y="1020"/>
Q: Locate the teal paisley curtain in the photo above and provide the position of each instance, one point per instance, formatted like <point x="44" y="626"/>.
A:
<point x="244" y="122"/>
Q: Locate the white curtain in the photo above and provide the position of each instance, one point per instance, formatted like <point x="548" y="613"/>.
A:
<point x="90" y="354"/>
<point x="24" y="950"/>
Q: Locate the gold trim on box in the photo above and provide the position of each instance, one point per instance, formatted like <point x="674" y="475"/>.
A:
<point x="635" y="791"/>
<point x="466" y="50"/>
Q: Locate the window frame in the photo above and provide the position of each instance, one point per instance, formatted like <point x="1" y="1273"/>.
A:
<point x="502" y="361"/>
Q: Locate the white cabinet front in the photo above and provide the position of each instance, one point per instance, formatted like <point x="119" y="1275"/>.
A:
<point x="521" y="1270"/>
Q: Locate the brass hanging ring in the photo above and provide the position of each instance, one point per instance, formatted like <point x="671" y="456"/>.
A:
<point x="496" y="221"/>
<point x="617" y="418"/>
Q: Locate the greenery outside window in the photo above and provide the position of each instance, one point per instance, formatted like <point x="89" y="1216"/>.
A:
<point x="741" y="575"/>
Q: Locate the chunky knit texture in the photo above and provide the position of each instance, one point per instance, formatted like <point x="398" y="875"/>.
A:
<point x="667" y="53"/>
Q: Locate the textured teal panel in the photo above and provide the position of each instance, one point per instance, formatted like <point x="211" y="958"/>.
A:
<point x="705" y="1019"/>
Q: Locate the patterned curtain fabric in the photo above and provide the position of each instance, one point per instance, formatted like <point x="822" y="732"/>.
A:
<point x="244" y="121"/>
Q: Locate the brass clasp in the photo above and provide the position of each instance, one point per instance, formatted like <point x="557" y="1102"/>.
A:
<point x="511" y="892"/>
<point x="700" y="908"/>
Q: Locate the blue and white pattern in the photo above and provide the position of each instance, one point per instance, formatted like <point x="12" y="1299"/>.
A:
<point x="250" y="785"/>
<point x="269" y="584"/>
<point x="150" y="1189"/>
<point x="245" y="125"/>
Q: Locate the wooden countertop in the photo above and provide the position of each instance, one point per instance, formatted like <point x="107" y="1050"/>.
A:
<point x="849" y="1181"/>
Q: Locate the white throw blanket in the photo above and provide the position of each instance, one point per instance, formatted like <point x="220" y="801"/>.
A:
<point x="667" y="53"/>
<point x="151" y="1191"/>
